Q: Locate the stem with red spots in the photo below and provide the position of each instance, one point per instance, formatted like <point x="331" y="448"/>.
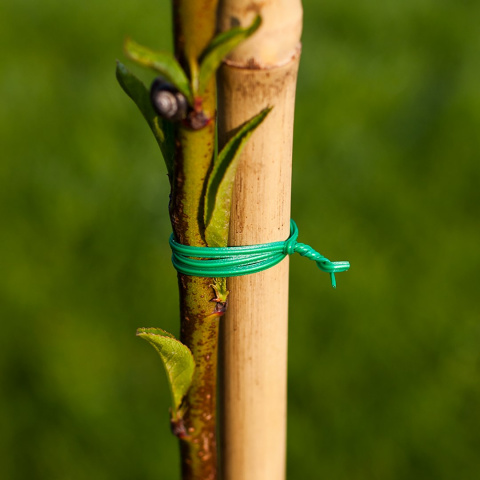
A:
<point x="200" y="309"/>
<point x="199" y="331"/>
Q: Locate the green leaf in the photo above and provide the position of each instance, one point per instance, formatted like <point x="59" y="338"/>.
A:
<point x="162" y="62"/>
<point x="219" y="48"/>
<point x="218" y="195"/>
<point x="177" y="360"/>
<point x="163" y="131"/>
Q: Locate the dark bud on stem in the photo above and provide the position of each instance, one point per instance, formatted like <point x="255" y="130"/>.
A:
<point x="167" y="101"/>
<point x="197" y="120"/>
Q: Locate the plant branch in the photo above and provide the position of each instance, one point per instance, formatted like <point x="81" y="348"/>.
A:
<point x="181" y="112"/>
<point x="195" y="23"/>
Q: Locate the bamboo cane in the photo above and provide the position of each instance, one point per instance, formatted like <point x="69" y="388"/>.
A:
<point x="261" y="72"/>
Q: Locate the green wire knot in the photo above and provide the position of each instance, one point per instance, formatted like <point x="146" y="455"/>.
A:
<point x="238" y="261"/>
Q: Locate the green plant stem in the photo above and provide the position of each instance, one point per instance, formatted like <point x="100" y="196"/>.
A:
<point x="194" y="23"/>
<point x="200" y="308"/>
<point x="200" y="333"/>
<point x="199" y="315"/>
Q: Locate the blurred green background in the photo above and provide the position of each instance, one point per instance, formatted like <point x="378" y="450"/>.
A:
<point x="384" y="372"/>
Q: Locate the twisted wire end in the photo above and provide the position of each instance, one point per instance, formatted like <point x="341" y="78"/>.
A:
<point x="322" y="262"/>
<point x="338" y="267"/>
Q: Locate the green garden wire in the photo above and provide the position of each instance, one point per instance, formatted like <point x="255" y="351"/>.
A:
<point x="238" y="261"/>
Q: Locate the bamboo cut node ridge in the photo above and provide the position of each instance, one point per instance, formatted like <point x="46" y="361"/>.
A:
<point x="252" y="64"/>
<point x="245" y="260"/>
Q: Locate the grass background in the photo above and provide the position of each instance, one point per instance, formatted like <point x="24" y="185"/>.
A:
<point x="383" y="373"/>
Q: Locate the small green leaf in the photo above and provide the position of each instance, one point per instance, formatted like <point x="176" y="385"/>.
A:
<point x="177" y="360"/>
<point x="163" y="131"/>
<point x="218" y="195"/>
<point x="219" y="48"/>
<point x="162" y="62"/>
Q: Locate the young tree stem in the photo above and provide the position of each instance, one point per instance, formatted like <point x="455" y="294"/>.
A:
<point x="194" y="22"/>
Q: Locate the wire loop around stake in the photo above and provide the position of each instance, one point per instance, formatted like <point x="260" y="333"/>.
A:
<point x="238" y="261"/>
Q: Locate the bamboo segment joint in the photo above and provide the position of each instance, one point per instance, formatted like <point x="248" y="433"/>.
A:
<point x="244" y="260"/>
